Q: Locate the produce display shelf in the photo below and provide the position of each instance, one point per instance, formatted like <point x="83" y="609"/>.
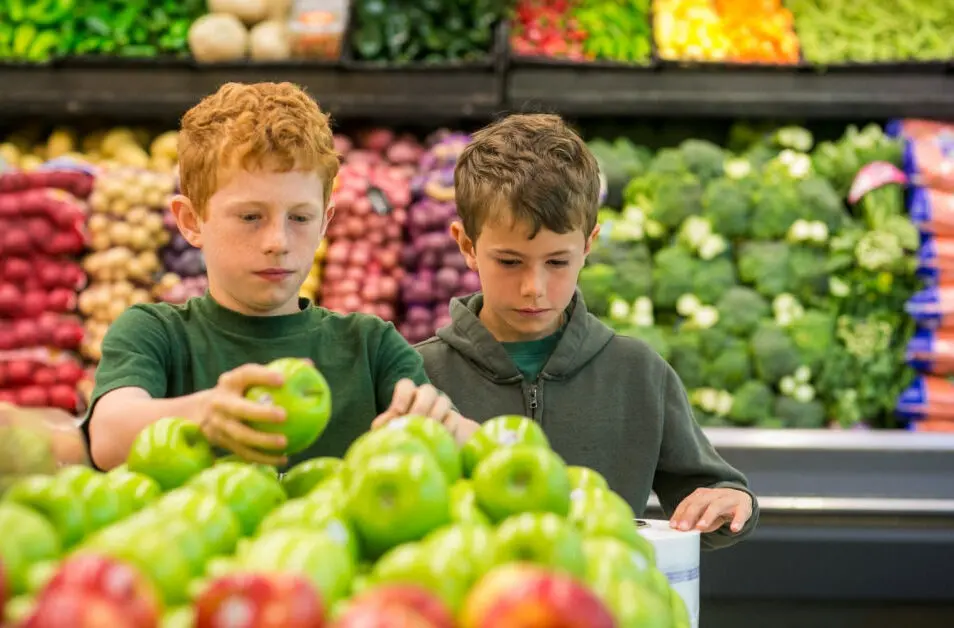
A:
<point x="144" y="90"/>
<point x="420" y="93"/>
<point x="775" y="92"/>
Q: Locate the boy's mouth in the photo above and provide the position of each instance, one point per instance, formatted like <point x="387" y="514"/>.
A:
<point x="532" y="311"/>
<point x="274" y="274"/>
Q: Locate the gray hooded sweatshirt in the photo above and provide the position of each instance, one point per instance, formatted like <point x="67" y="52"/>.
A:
<point x="605" y="401"/>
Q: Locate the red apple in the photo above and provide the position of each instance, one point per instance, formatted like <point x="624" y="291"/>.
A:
<point x="113" y="581"/>
<point x="527" y="596"/>
<point x="260" y="601"/>
<point x="381" y="616"/>
<point x="417" y="598"/>
<point x="79" y="609"/>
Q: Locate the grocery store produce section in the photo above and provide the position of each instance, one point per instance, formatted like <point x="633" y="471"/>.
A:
<point x="777" y="273"/>
<point x="407" y="524"/>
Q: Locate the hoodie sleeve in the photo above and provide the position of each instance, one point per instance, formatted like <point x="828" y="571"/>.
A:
<point x="688" y="461"/>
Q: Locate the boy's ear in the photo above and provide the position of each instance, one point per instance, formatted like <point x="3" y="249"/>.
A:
<point x="329" y="214"/>
<point x="592" y="238"/>
<point x="187" y="219"/>
<point x="465" y="244"/>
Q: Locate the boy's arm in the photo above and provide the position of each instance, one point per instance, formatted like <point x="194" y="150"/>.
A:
<point x="130" y="391"/>
<point x="688" y="461"/>
<point x="402" y="383"/>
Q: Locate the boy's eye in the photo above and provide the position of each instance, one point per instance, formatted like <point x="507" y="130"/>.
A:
<point x="248" y="217"/>
<point x="559" y="262"/>
<point x="301" y="218"/>
<point x="508" y="262"/>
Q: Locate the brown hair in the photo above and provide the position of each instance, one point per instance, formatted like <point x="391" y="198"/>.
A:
<point x="262" y="125"/>
<point x="532" y="166"/>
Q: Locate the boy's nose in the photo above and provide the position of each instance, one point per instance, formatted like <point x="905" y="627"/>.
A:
<point x="533" y="283"/>
<point x="276" y="239"/>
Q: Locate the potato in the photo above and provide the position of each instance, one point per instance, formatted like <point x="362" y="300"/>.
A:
<point x="140" y="239"/>
<point x="98" y="223"/>
<point x="153" y="223"/>
<point x="149" y="261"/>
<point x="100" y="241"/>
<point x="120" y="233"/>
<point x="137" y="215"/>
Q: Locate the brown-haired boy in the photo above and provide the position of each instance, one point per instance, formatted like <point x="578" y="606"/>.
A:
<point x="527" y="191"/>
<point x="257" y="163"/>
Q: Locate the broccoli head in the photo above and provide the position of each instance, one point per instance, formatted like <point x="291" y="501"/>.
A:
<point x="809" y="272"/>
<point x="674" y="199"/>
<point x="800" y="414"/>
<point x="821" y="202"/>
<point x="713" y="278"/>
<point x="728" y="206"/>
<point x="731" y="367"/>
<point x="777" y="207"/>
<point x="703" y="158"/>
<point x="655" y="337"/>
<point x="685" y="357"/>
<point x="674" y="269"/>
<point x="741" y="309"/>
<point x="774" y="354"/>
<point x="813" y="335"/>
<point x="766" y="266"/>
<point x="668" y="162"/>
<point x="752" y="402"/>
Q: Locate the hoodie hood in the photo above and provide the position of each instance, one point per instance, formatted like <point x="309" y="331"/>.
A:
<point x="583" y="338"/>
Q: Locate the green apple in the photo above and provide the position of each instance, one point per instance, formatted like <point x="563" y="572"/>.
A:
<point x="135" y="490"/>
<point x="378" y="443"/>
<point x="609" y="560"/>
<point x="542" y="538"/>
<point x="248" y="491"/>
<point x="437" y="438"/>
<point x="680" y="612"/>
<point x="582" y="478"/>
<point x="590" y="501"/>
<point x="24" y="450"/>
<point x="305" y="476"/>
<point x="502" y="431"/>
<point x="170" y="451"/>
<point x="522" y="479"/>
<point x="634" y="605"/>
<point x="55" y="502"/>
<point x="153" y="555"/>
<point x="102" y="502"/>
<point x="463" y="504"/>
<point x="27" y="539"/>
<point x="206" y="512"/>
<point x="416" y="563"/>
<point x="313" y="515"/>
<point x="306" y="398"/>
<point x="474" y="546"/>
<point x="177" y="531"/>
<point x="323" y="560"/>
<point x="397" y="498"/>
<point x="332" y="492"/>
<point x="267" y="468"/>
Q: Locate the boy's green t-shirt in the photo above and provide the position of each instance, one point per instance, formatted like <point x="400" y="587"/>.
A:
<point x="175" y="350"/>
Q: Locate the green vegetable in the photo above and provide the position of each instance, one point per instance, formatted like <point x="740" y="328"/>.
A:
<point x="617" y="31"/>
<point x="752" y="402"/>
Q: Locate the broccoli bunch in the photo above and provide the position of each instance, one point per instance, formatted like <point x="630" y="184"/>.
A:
<point x="776" y="303"/>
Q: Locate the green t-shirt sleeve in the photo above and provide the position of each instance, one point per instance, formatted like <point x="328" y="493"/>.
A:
<point x="135" y="353"/>
<point x="395" y="360"/>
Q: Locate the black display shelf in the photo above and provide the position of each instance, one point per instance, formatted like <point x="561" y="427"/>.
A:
<point x="145" y="90"/>
<point x="740" y="92"/>
<point x="423" y="93"/>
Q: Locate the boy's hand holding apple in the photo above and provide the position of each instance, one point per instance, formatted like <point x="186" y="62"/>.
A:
<point x="426" y="400"/>
<point x="226" y="414"/>
<point x="708" y="509"/>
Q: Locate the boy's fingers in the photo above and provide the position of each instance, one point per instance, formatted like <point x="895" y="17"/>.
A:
<point x="248" y="375"/>
<point x="714" y="516"/>
<point x="251" y="455"/>
<point x="403" y="397"/>
<point x="427" y="403"/>
<point x="694" y="506"/>
<point x="241" y="433"/>
<point x="245" y="410"/>
<point x="741" y="516"/>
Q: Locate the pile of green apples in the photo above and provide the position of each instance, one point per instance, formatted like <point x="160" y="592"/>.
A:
<point x="405" y="530"/>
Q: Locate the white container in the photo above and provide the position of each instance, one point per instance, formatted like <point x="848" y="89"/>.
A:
<point x="677" y="556"/>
